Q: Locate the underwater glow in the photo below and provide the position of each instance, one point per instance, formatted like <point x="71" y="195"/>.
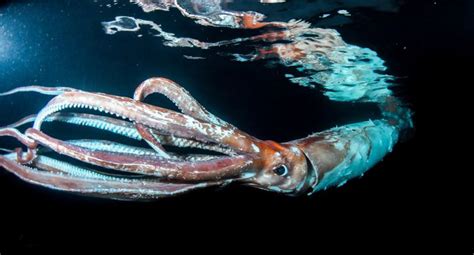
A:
<point x="319" y="57"/>
<point x="5" y="44"/>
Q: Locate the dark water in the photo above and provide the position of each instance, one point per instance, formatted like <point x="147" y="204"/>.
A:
<point x="62" y="43"/>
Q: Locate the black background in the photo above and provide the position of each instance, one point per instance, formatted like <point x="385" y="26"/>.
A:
<point x="401" y="201"/>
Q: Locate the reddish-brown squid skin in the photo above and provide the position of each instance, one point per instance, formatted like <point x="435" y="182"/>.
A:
<point x="321" y="160"/>
<point x="272" y="155"/>
<point x="112" y="189"/>
<point x="23" y="158"/>
<point x="169" y="169"/>
<point x="158" y="118"/>
<point x="321" y="155"/>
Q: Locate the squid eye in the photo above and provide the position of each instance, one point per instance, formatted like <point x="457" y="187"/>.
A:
<point x="281" y="170"/>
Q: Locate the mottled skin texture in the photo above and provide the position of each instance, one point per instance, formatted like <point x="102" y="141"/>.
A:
<point x="293" y="168"/>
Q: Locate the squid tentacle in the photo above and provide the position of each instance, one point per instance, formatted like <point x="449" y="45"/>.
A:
<point x="23" y="139"/>
<point x="123" y="128"/>
<point x="180" y="97"/>
<point x="105" y="123"/>
<point x="109" y="146"/>
<point x="189" y="168"/>
<point x="155" y="166"/>
<point x="52" y="91"/>
<point x="59" y="175"/>
<point x="12" y="132"/>
<point x="61" y="90"/>
<point x="163" y="120"/>
<point x="152" y="140"/>
<point x="174" y="91"/>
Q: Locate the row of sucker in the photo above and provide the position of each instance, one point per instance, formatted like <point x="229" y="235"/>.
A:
<point x="64" y="168"/>
<point x="123" y="128"/>
<point x="109" y="146"/>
